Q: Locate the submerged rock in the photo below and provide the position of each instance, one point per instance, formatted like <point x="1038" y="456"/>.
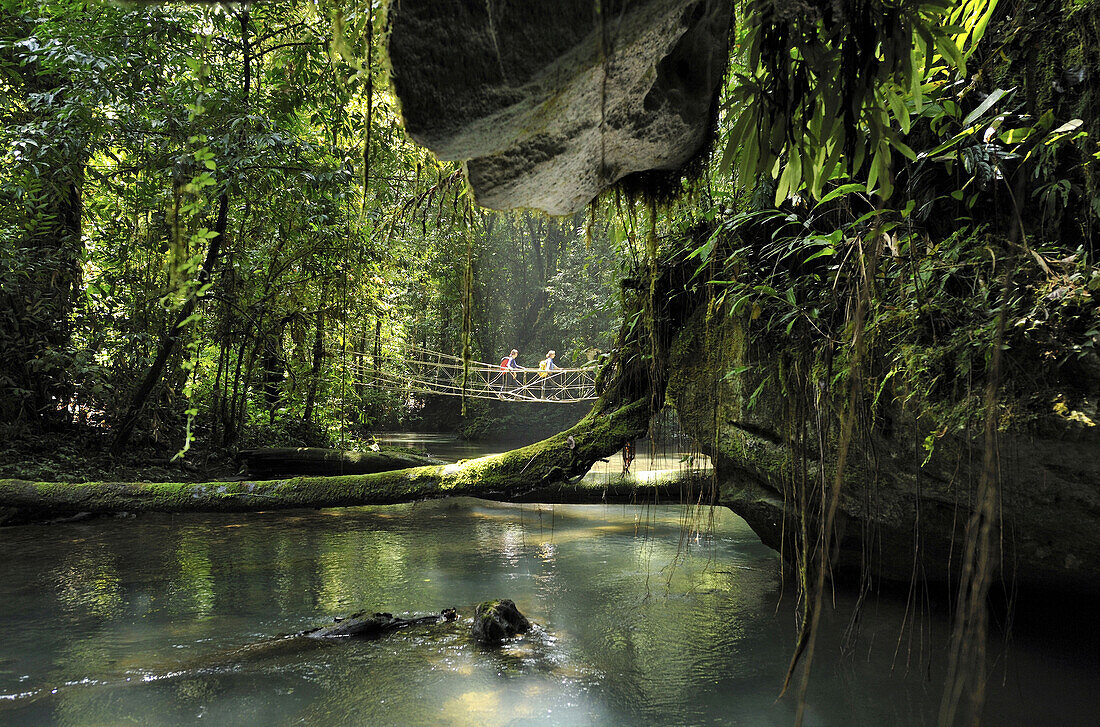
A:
<point x="495" y="621"/>
<point x="551" y="101"/>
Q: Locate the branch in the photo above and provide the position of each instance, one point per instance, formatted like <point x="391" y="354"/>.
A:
<point x="295" y="44"/>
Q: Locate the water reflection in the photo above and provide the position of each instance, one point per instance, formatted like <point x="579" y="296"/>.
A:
<point x="194" y="587"/>
<point x="88" y="585"/>
<point x="356" y="567"/>
<point x="646" y="615"/>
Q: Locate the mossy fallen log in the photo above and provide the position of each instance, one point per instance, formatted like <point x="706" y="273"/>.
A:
<point x="547" y="471"/>
<point x="292" y="461"/>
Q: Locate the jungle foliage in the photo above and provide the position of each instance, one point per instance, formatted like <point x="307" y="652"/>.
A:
<point x="971" y="195"/>
<point x="907" y="238"/>
<point x="207" y="211"/>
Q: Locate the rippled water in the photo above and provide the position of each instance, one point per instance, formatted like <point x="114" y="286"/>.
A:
<point x="646" y="615"/>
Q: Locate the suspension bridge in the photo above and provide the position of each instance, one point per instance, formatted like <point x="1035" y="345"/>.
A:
<point x="431" y="372"/>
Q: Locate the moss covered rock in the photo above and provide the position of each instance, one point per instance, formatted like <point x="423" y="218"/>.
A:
<point x="495" y="621"/>
<point x="905" y="498"/>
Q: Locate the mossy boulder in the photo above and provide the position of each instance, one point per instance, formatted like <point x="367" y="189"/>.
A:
<point x="495" y="621"/>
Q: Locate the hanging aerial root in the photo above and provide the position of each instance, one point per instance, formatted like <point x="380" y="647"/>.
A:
<point x="547" y="471"/>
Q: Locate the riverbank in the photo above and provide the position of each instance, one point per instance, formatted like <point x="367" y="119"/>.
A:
<point x="551" y="470"/>
<point x="80" y="454"/>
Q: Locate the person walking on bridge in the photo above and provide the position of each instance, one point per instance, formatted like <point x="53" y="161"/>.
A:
<point x="546" y="369"/>
<point x="508" y="368"/>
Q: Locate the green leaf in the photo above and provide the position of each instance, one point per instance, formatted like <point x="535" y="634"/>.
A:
<point x="828" y="170"/>
<point x="902" y="147"/>
<point x="985" y="105"/>
<point x="1067" y="127"/>
<point x="857" y="160"/>
<point x="978" y="31"/>
<point x="897" y="107"/>
<point x="878" y="168"/>
<point x="749" y="161"/>
<point x="816" y="172"/>
<point x="735" y="142"/>
<point x="917" y="79"/>
<point x="949" y="144"/>
<point x="1016" y="136"/>
<point x="947" y="48"/>
<point x="839" y="192"/>
<point x="788" y="182"/>
<point x="823" y="252"/>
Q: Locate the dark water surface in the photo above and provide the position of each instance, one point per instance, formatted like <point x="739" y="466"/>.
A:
<point x="646" y="616"/>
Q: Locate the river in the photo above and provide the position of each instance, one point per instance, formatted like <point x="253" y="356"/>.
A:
<point x="646" y="615"/>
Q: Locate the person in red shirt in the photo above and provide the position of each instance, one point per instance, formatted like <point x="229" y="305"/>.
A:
<point x="508" y="369"/>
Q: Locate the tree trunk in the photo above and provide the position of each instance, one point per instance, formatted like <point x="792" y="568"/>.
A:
<point x="272" y="377"/>
<point x="376" y="356"/>
<point x="318" y="355"/>
<point x="274" y="462"/>
<point x="170" y="339"/>
<point x="548" y="471"/>
<point x="360" y="376"/>
<point x="240" y="413"/>
<point x="229" y="420"/>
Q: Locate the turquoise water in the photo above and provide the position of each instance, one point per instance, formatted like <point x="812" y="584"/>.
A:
<point x="645" y="615"/>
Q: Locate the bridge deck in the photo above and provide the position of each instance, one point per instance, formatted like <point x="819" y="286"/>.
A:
<point x="439" y="373"/>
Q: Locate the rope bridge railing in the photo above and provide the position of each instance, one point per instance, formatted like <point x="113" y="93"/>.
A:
<point x="439" y="373"/>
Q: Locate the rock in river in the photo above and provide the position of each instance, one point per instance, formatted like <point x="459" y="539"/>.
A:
<point x="495" y="621"/>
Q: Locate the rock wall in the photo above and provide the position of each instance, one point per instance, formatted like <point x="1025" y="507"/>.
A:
<point x="900" y="518"/>
<point x="551" y="101"/>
